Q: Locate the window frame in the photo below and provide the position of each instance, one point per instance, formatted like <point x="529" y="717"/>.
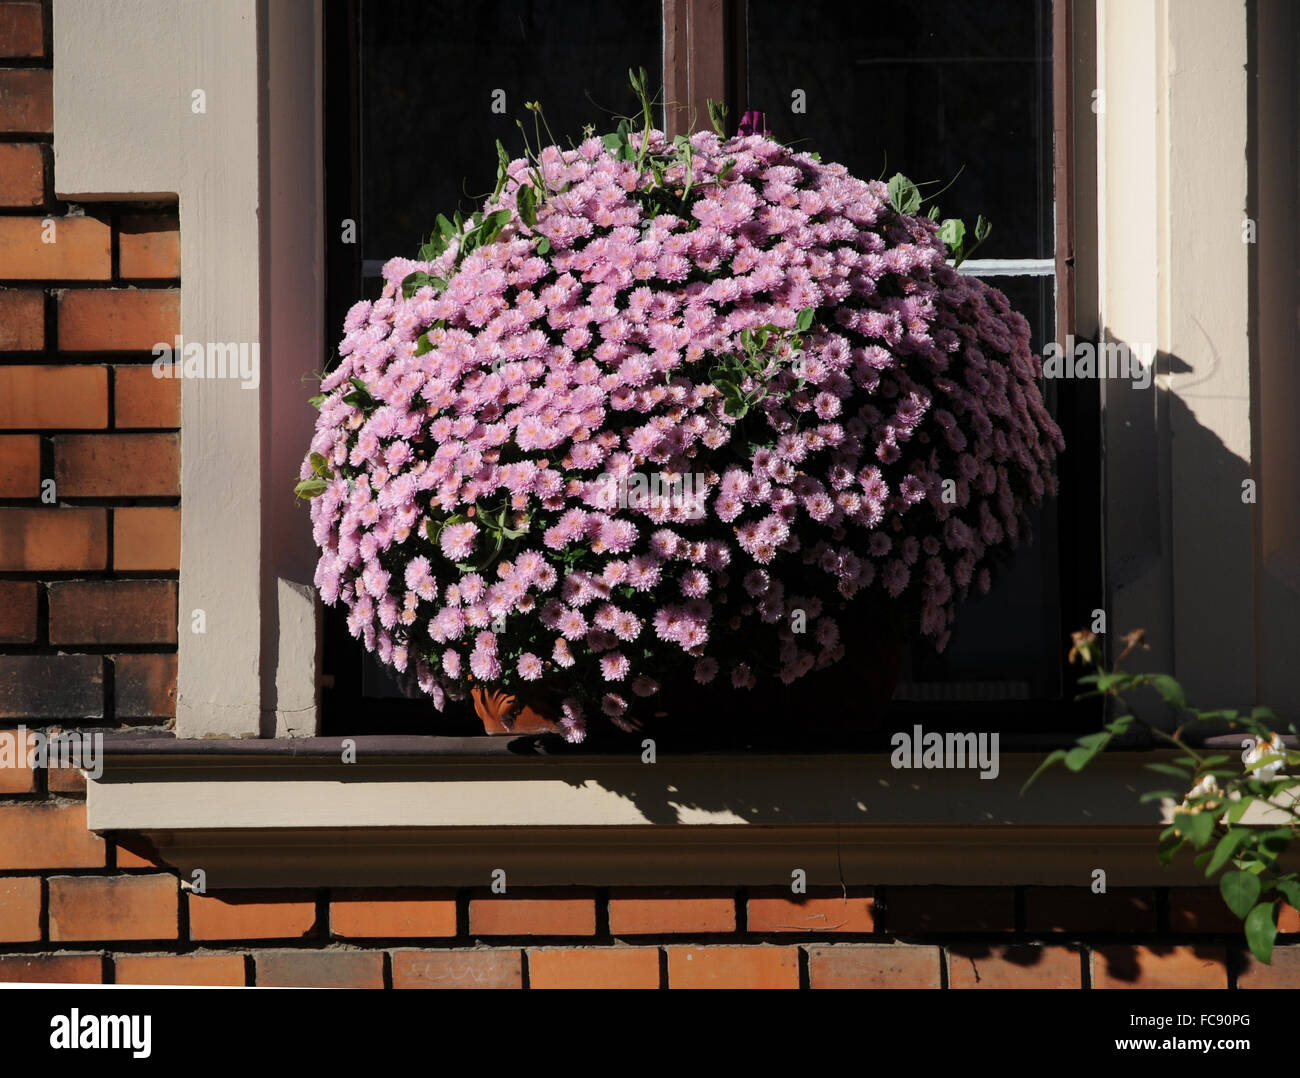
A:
<point x="704" y="56"/>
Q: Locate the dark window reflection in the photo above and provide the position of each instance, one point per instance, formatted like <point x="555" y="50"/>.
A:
<point x="1009" y="640"/>
<point x="921" y="87"/>
<point x="428" y="72"/>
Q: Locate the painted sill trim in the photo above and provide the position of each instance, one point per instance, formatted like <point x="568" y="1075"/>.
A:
<point x="252" y="818"/>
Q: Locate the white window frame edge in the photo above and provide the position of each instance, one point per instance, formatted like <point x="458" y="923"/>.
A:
<point x="247" y="174"/>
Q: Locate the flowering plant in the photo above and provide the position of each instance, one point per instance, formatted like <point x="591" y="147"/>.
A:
<point x="1256" y="878"/>
<point x="669" y="408"/>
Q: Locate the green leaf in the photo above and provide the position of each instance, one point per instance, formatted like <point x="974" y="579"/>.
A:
<point x="1170" y="843"/>
<point x="982" y="228"/>
<point x="805" y="320"/>
<point x="543" y="246"/>
<point x="1106" y="682"/>
<point x="1240" y="891"/>
<point x="1171" y="769"/>
<point x="1053" y="758"/>
<point x="952" y="232"/>
<point x="1238" y="809"/>
<point x="933" y="213"/>
<point x="1227" y="847"/>
<point x="527" y="201"/>
<point x="1290" y="890"/>
<point x="1261" y="930"/>
<point x="1196" y="827"/>
<point x="311" y="488"/>
<point x="317" y="400"/>
<point x="1076" y="759"/>
<point x="413" y="282"/>
<point x="503" y="164"/>
<point x="1168" y="688"/>
<point x="903" y="194"/>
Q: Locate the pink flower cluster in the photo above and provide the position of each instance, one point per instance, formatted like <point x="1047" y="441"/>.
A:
<point x="470" y="522"/>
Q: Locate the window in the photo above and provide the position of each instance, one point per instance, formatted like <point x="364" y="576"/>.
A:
<point x="942" y="90"/>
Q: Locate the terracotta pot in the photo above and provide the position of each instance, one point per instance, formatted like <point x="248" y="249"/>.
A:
<point x="853" y="694"/>
<point x="503" y="713"/>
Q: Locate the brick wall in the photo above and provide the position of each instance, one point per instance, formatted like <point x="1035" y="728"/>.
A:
<point x="88" y="626"/>
<point x="95" y="912"/>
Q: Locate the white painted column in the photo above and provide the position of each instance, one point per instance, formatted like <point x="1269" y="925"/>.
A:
<point x="126" y="79"/>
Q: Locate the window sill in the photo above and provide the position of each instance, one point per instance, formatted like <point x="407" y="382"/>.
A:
<point x="440" y="811"/>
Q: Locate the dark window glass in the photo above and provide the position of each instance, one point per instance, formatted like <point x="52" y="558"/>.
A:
<point x="922" y="87"/>
<point x="943" y="90"/>
<point x="429" y="72"/>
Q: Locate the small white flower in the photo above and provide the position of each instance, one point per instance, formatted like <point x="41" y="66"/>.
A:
<point x="1207" y="787"/>
<point x="1259" y="750"/>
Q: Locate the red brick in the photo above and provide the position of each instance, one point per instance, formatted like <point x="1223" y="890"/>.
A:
<point x="48" y="836"/>
<point x="22" y="173"/>
<point x="1123" y="966"/>
<point x="149" y="248"/>
<point x="458" y="969"/>
<point x="117" y="465"/>
<point x="66" y="780"/>
<point x="145" y="685"/>
<point x="20" y="909"/>
<point x="15" y="776"/>
<point x="212" y="970"/>
<point x="52" y="969"/>
<point x="51" y="687"/>
<point x="594" y="967"/>
<point x="144" y="856"/>
<point x="536" y="912"/>
<point x="977" y="966"/>
<point x="147" y="538"/>
<point x="118" y="320"/>
<point x="1201" y="909"/>
<point x="255" y="915"/>
<point x="17" y="611"/>
<point x="113" y="907"/>
<point x="653" y="910"/>
<point x="320" y="969"/>
<point x="62" y="539"/>
<point x="22" y="31"/>
<point x="1078" y="909"/>
<point x="80" y="249"/>
<point x="112" y="611"/>
<point x="821" y="910"/>
<point x="1282" y="972"/>
<point x="20" y="466"/>
<point x="361" y="915"/>
<point x="53" y="398"/>
<point x="22" y="320"/>
<point x="733" y="967"/>
<point x="921" y="910"/>
<point x="141" y="400"/>
<point x="26" y="101"/>
<point x="851" y="965"/>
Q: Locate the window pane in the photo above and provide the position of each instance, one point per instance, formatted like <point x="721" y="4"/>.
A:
<point x="428" y="74"/>
<point x="1007" y="644"/>
<point x="922" y="87"/>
